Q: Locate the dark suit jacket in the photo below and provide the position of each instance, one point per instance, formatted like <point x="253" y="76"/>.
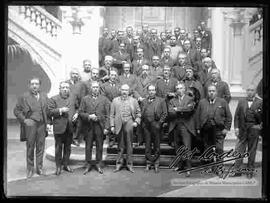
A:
<point x="193" y="56"/>
<point x="240" y="113"/>
<point x="110" y="92"/>
<point x="100" y="107"/>
<point x="132" y="50"/>
<point x="105" y="47"/>
<point x="223" y="90"/>
<point x="160" y="109"/>
<point x="60" y="122"/>
<point x="184" y="113"/>
<point x="197" y="84"/>
<point x="137" y="68"/>
<point x="23" y="110"/>
<point x="154" y="48"/>
<point x="141" y="87"/>
<point x="168" y="62"/>
<point x="178" y="72"/>
<point x="163" y="89"/>
<point x="131" y="81"/>
<point x="207" y="40"/>
<point x="82" y="89"/>
<point x="222" y="115"/>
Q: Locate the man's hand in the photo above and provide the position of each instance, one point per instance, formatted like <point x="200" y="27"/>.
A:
<point x="105" y="132"/>
<point x="64" y="109"/>
<point x="74" y="118"/>
<point x="171" y="94"/>
<point x="175" y="108"/>
<point x="258" y="127"/>
<point x="29" y="122"/>
<point x="164" y="125"/>
<point x="92" y="117"/>
<point x="198" y="132"/>
<point x="236" y="131"/>
<point x="224" y="131"/>
<point x="113" y="130"/>
<point x="140" y="99"/>
<point x="134" y="124"/>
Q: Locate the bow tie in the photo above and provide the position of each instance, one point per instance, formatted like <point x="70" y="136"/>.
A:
<point x="250" y="99"/>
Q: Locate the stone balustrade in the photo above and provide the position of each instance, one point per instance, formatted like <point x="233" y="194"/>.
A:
<point x="42" y="19"/>
<point x="256" y="38"/>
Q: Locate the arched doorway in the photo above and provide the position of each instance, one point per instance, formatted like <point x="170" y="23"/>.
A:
<point x="20" y="68"/>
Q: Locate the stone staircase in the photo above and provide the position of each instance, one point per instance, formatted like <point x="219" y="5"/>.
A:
<point x="166" y="157"/>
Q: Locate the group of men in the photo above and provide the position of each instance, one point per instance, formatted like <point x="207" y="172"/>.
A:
<point x="141" y="90"/>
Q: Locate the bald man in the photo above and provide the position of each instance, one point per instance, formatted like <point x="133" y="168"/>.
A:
<point x="125" y="115"/>
<point x="247" y="127"/>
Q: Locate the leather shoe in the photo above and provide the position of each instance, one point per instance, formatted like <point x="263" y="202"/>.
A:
<point x="40" y="172"/>
<point x="249" y="175"/>
<point x="129" y="168"/>
<point x="99" y="170"/>
<point x="58" y="171"/>
<point x="118" y="168"/>
<point x="188" y="174"/>
<point x="235" y="174"/>
<point x="147" y="168"/>
<point x="88" y="167"/>
<point x="156" y="169"/>
<point x="30" y="173"/>
<point x="68" y="169"/>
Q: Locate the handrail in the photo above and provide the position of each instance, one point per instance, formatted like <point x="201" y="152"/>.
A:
<point x="42" y="19"/>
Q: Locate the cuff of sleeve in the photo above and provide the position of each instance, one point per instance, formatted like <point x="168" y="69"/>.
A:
<point x="60" y="112"/>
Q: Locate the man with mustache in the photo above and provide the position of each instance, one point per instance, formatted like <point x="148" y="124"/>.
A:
<point x="31" y="111"/>
<point x="58" y="111"/>
<point x="125" y="115"/>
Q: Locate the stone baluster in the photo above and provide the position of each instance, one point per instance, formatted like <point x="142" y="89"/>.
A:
<point x="27" y="12"/>
<point x="33" y="15"/>
<point x="38" y="19"/>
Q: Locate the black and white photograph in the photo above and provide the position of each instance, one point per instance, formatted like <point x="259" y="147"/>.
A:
<point x="134" y="101"/>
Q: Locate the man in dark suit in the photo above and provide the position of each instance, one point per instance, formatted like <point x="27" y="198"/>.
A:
<point x="111" y="90"/>
<point x="104" y="71"/>
<point x="166" y="85"/>
<point x="105" y="46"/>
<point x="128" y="40"/>
<point x="177" y="34"/>
<point x="179" y="71"/>
<point x="132" y="51"/>
<point x="156" y="71"/>
<point x="175" y="49"/>
<point x="223" y="90"/>
<point x="191" y="81"/>
<point x="193" y="56"/>
<point x="164" y="41"/>
<point x="74" y="78"/>
<point x="213" y="121"/>
<point x="153" y="45"/>
<point x="182" y="37"/>
<point x="165" y="88"/>
<point x="206" y="36"/>
<point x="182" y="125"/>
<point x="166" y="58"/>
<point x="31" y="111"/>
<point x="120" y="57"/>
<point x="247" y="127"/>
<point x="139" y="62"/>
<point x="205" y="73"/>
<point x="95" y="110"/>
<point x="81" y="89"/>
<point x="58" y="110"/>
<point x="154" y="113"/>
<point x="125" y="115"/>
<point x="145" y="33"/>
<point x="128" y="78"/>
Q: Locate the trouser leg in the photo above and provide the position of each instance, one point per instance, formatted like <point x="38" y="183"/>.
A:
<point x="147" y="135"/>
<point x="40" y="145"/>
<point x="67" y="148"/>
<point x="89" y="146"/>
<point x="99" y="144"/>
<point x="58" y="149"/>
<point x="253" y="138"/>
<point x="128" y="130"/>
<point x="31" y="132"/>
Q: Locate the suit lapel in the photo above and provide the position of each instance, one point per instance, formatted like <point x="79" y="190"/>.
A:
<point x="245" y="106"/>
